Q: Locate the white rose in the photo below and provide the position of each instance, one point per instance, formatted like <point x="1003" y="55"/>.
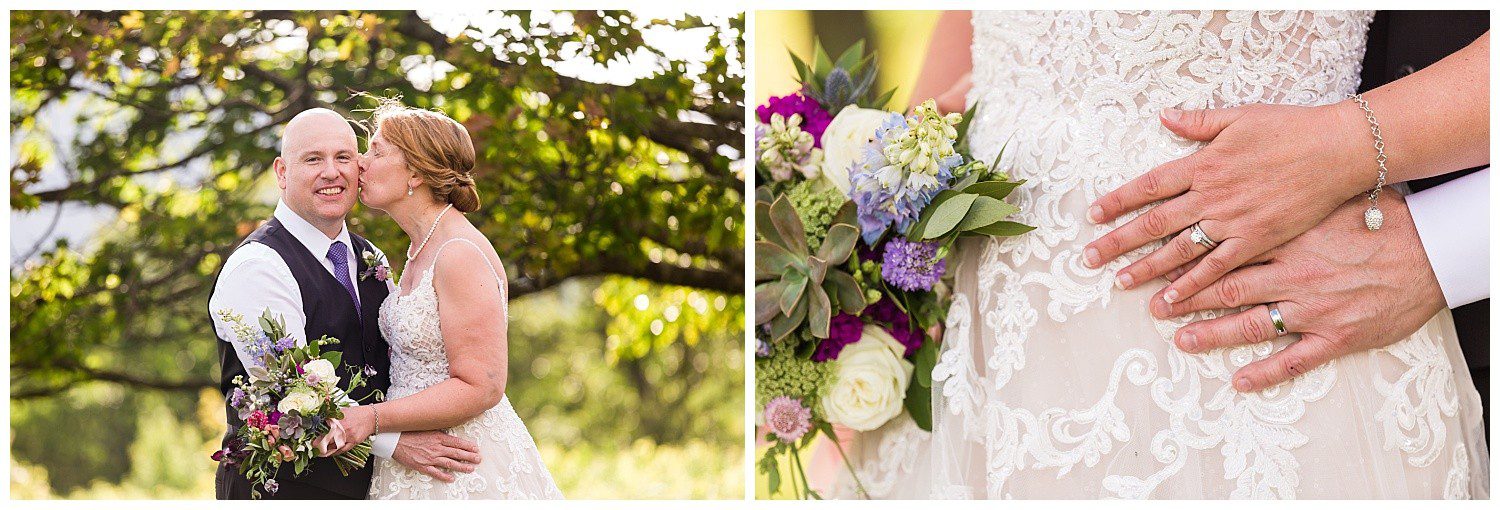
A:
<point x="320" y="371"/>
<point x="844" y="142"/>
<point x="870" y="382"/>
<point x="300" y="399"/>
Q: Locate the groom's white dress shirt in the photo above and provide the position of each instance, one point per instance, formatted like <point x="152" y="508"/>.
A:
<point x="256" y="278"/>
<point x="1453" y="221"/>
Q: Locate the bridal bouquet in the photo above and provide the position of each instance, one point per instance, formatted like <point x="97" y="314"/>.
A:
<point x="856" y="212"/>
<point x="292" y="394"/>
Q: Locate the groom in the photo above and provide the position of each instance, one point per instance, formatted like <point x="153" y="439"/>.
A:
<point x="306" y="267"/>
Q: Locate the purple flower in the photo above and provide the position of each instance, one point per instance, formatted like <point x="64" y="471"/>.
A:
<point x="236" y="398"/>
<point x="285" y="343"/>
<point x="896" y="322"/>
<point x="912" y="265"/>
<point x="888" y="193"/>
<point x="762" y="348"/>
<point x="272" y="486"/>
<point x="788" y="418"/>
<point x="382" y="273"/>
<point x="843" y="330"/>
<point x="369" y="371"/>
<point x="814" y="118"/>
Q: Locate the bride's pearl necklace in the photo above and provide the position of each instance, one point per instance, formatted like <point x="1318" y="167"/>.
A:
<point x="430" y="231"/>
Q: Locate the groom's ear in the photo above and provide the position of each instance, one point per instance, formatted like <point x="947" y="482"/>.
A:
<point x="279" y="166"/>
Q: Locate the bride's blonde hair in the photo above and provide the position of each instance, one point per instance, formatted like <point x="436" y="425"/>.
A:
<point x="436" y="147"/>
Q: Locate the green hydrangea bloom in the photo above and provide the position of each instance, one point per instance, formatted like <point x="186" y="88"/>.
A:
<point x="786" y="373"/>
<point x="816" y="204"/>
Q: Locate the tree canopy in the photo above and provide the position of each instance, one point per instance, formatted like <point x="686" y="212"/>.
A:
<point x="174" y="118"/>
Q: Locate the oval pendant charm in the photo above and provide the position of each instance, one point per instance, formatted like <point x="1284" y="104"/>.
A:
<point x="1374" y="218"/>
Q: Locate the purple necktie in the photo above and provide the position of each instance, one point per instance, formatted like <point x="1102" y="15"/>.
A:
<point x="340" y="258"/>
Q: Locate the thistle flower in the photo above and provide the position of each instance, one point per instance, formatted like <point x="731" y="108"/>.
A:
<point x="787" y="418"/>
<point x="786" y="149"/>
<point x="912" y="265"/>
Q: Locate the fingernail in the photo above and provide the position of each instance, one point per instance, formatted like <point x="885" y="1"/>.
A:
<point x="1188" y="342"/>
<point x="1124" y="281"/>
<point x="1171" y="114"/>
<point x="1091" y="257"/>
<point x="1096" y="214"/>
<point x="1170" y="296"/>
<point x="1242" y="384"/>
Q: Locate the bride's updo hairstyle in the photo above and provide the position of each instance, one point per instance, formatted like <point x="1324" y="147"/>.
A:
<point x="436" y="147"/>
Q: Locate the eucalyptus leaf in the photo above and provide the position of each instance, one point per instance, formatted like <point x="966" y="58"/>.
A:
<point x="994" y="189"/>
<point x="985" y="211"/>
<point x="1002" y="229"/>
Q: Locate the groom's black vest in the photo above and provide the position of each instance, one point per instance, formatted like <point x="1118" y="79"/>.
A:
<point x="1402" y="43"/>
<point x="329" y="311"/>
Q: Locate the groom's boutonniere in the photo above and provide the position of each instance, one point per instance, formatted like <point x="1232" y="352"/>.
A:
<point x="376" y="266"/>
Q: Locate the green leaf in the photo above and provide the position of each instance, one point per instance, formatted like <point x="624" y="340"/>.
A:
<point x="821" y="63"/>
<point x="994" y="189"/>
<point x="335" y="357"/>
<point x="1002" y="229"/>
<point x="919" y="405"/>
<point x="927" y="212"/>
<point x="880" y="102"/>
<point x="985" y="211"/>
<point x="844" y="289"/>
<point x="963" y="125"/>
<point x="804" y="74"/>
<point x="784" y="325"/>
<point x="838" y="244"/>
<point x="790" y="297"/>
<point x="819" y="312"/>
<point x="771" y="260"/>
<point x="925" y="359"/>
<point x="788" y="225"/>
<point x="764" y="226"/>
<point x="851" y="56"/>
<point x="766" y="297"/>
<point x="947" y="216"/>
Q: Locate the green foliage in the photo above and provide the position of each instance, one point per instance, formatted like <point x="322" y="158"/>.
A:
<point x="843" y="82"/>
<point x="797" y="284"/>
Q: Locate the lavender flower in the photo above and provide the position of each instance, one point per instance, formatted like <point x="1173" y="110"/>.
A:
<point x="236" y="398"/>
<point x="788" y="418"/>
<point x="285" y="343"/>
<point x="912" y="265"/>
<point x="814" y="118"/>
<point x="843" y="330"/>
<point x="271" y="486"/>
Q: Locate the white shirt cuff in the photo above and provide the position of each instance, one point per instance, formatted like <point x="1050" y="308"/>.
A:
<point x="1453" y="221"/>
<point x="383" y="445"/>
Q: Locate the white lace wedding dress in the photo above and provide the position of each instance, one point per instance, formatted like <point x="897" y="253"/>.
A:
<point x="1051" y="383"/>
<point x="510" y="466"/>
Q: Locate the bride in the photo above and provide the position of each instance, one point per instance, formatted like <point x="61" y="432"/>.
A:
<point x="448" y="362"/>
<point x="1053" y="383"/>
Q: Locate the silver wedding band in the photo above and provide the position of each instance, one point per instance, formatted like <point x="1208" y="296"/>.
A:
<point x="1198" y="236"/>
<point x="1276" y="319"/>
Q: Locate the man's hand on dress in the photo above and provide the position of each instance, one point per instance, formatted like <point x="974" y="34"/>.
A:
<point x="1344" y="288"/>
<point x="436" y="454"/>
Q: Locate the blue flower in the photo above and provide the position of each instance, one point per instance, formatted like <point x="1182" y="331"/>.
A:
<point x="897" y="178"/>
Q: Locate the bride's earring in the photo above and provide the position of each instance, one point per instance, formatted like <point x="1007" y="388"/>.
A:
<point x="410" y="190"/>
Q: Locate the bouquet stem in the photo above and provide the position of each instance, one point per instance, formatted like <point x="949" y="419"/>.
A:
<point x="354" y="459"/>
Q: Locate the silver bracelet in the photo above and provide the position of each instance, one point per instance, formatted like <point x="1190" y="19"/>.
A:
<point x="1373" y="217"/>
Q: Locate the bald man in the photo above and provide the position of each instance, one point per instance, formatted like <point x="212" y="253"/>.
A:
<point x="307" y="268"/>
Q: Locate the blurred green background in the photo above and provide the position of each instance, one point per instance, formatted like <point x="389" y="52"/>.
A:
<point x="611" y="177"/>
<point x="899" y="37"/>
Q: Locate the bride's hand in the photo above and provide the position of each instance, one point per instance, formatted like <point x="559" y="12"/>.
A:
<point x="1344" y="288"/>
<point x="344" y="434"/>
<point x="1269" y="173"/>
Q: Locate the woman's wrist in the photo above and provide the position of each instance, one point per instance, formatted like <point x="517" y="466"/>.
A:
<point x="1351" y="149"/>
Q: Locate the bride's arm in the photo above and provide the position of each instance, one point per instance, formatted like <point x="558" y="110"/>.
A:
<point x="1434" y="121"/>
<point x="474" y="336"/>
<point x="945" y="70"/>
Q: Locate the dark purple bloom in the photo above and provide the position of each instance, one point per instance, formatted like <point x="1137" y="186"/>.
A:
<point x="275" y="417"/>
<point x="814" y="118"/>
<point x="843" y="330"/>
<point x="272" y="486"/>
<point x="912" y="265"/>
<point x="896" y="322"/>
<point x="762" y="348"/>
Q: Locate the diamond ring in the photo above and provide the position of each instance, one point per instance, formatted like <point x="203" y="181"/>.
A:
<point x="1198" y="236"/>
<point x="1276" y="319"/>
